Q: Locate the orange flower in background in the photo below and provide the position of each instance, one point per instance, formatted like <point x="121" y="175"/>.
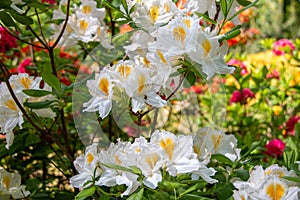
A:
<point x="125" y="28"/>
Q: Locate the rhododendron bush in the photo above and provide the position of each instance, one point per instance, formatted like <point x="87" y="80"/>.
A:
<point x="145" y="100"/>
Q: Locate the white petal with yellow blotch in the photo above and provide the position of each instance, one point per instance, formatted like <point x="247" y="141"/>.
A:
<point x="10" y="184"/>
<point x="87" y="166"/>
<point x="209" y="53"/>
<point x="209" y="141"/>
<point x="101" y="91"/>
<point x="142" y="89"/>
<point x="177" y="152"/>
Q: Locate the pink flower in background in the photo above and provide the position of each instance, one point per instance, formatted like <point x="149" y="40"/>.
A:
<point x="283" y="45"/>
<point x="275" y="148"/>
<point x="6" y="41"/>
<point x="274" y="74"/>
<point x="241" y="97"/>
<point x="290" y="125"/>
<point x="236" y="97"/>
<point x="238" y="63"/>
<point x="22" y="66"/>
<point x="49" y="1"/>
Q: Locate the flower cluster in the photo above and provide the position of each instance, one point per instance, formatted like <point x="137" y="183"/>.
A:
<point x="85" y="24"/>
<point x="124" y="162"/>
<point x="267" y="184"/>
<point x="10" y="185"/>
<point x="170" y="40"/>
<point x="11" y="115"/>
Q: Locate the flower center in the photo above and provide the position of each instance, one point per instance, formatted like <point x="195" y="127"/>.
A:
<point x="275" y="191"/>
<point x="26" y="82"/>
<point x="104" y="86"/>
<point x="168" y="146"/>
<point x="124" y="70"/>
<point x="90" y="158"/>
<point x="87" y="9"/>
<point x="83" y="25"/>
<point x="11" y="104"/>
<point x="179" y="34"/>
<point x="206" y="46"/>
<point x="154" y="13"/>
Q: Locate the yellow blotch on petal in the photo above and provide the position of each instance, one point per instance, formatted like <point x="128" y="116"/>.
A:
<point x="161" y="56"/>
<point x="179" y="34"/>
<point x="141" y="83"/>
<point x="168" y="146"/>
<point x="26" y="82"/>
<point x="138" y="150"/>
<point x="118" y="161"/>
<point x="83" y="25"/>
<point x="99" y="31"/>
<point x="90" y="158"/>
<point x="206" y="46"/>
<point x="86" y="9"/>
<point x="167" y="8"/>
<point x="6" y="182"/>
<point x="11" y="104"/>
<point x="275" y="191"/>
<point x="124" y="70"/>
<point x="152" y="160"/>
<point x="216" y="140"/>
<point x="69" y="29"/>
<point x="154" y="13"/>
<point x="104" y="86"/>
<point x="187" y="22"/>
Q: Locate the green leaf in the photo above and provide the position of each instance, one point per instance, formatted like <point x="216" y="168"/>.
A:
<point x="242" y="174"/>
<point x="37" y="5"/>
<point x="222" y="159"/>
<point x="117" y="167"/>
<point x="85" y="193"/>
<point x="194" y="187"/>
<point x="52" y="80"/>
<point x="36" y="93"/>
<point x="224" y="191"/>
<point x="161" y="195"/>
<point x="290" y="178"/>
<point x="32" y="139"/>
<point x="137" y="196"/>
<point x="6" y="19"/>
<point x="189" y="80"/>
<point x="22" y="19"/>
<point x="38" y="105"/>
<point x="122" y="39"/>
<point x="193" y="197"/>
<point x="206" y="18"/>
<point x="244" y="2"/>
<point x="224" y="8"/>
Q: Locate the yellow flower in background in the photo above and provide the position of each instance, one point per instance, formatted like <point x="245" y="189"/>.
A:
<point x="277" y="109"/>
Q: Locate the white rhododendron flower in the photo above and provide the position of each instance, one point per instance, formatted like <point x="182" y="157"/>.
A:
<point x="87" y="166"/>
<point x="209" y="53"/>
<point x="111" y="177"/>
<point x="10" y="185"/>
<point x="101" y="91"/>
<point x="209" y="141"/>
<point x="153" y="13"/>
<point x="267" y="184"/>
<point x="176" y="151"/>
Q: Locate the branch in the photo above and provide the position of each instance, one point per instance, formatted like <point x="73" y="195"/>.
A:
<point x="64" y="26"/>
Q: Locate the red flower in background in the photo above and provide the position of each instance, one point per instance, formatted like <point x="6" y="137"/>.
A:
<point x="49" y="1"/>
<point x="275" y="148"/>
<point x="283" y="45"/>
<point x="22" y="66"/>
<point x="238" y="63"/>
<point x="274" y="74"/>
<point x="7" y="41"/>
<point x="290" y="125"/>
<point x="241" y="96"/>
